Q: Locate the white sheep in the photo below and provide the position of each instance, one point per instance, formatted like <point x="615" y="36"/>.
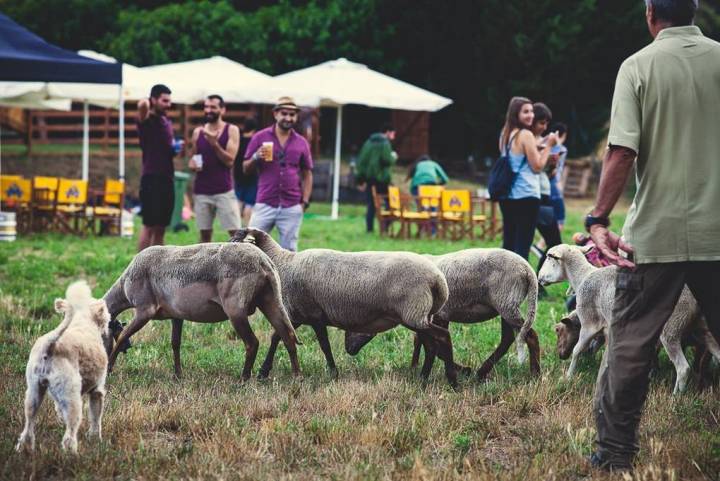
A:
<point x="595" y="289"/>
<point x="483" y="283"/>
<point x="367" y="292"/>
<point x="203" y="283"/>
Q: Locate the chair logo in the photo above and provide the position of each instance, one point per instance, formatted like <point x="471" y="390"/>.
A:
<point x="14" y="191"/>
<point x="72" y="192"/>
<point x="455" y="201"/>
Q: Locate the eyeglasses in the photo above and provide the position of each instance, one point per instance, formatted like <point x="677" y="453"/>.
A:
<point x="281" y="158"/>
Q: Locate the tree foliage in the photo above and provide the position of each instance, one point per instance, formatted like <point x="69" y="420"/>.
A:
<point x="563" y="52"/>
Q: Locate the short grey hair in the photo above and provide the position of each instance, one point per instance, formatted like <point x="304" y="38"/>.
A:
<point x="677" y="12"/>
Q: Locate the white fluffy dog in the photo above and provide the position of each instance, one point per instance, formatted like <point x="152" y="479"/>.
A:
<point x="68" y="362"/>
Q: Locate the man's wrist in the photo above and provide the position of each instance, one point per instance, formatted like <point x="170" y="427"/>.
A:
<point x="596" y="220"/>
<point x="306" y="204"/>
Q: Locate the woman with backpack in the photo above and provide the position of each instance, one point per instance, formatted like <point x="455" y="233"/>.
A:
<point x="521" y="205"/>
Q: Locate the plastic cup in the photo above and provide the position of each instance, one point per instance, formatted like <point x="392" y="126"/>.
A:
<point x="268" y="147"/>
<point x="198" y="159"/>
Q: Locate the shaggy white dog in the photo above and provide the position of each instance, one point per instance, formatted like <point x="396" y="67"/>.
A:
<point x="68" y="362"/>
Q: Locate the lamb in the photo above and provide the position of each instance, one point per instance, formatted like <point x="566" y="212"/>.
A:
<point x="68" y="362"/>
<point x="366" y="292"/>
<point x="202" y="283"/>
<point x="483" y="283"/>
<point x="595" y="288"/>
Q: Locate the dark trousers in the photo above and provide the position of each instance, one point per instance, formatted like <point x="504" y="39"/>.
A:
<point x="519" y="221"/>
<point x="644" y="300"/>
<point x="380" y="188"/>
<point x="548" y="227"/>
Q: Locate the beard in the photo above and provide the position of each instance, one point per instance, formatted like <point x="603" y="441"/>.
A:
<point x="286" y="124"/>
<point x="211" y="117"/>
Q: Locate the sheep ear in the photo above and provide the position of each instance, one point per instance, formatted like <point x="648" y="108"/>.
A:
<point x="99" y="312"/>
<point x="557" y="327"/>
<point x="571" y="320"/>
<point x="586" y="248"/>
<point x="61" y="305"/>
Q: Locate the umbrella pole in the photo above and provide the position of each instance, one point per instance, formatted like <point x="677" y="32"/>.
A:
<point x="336" y="169"/>
<point x="86" y="141"/>
<point x="121" y="136"/>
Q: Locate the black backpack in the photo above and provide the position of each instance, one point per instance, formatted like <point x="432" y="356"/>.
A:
<point x="502" y="177"/>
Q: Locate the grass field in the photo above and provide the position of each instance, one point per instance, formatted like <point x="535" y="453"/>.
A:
<point x="376" y="421"/>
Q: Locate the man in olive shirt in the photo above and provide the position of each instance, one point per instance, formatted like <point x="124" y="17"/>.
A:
<point x="664" y="114"/>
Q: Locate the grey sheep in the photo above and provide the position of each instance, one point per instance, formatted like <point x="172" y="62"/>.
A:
<point x="202" y="283"/>
<point x="367" y="292"/>
<point x="595" y="288"/>
<point x="483" y="284"/>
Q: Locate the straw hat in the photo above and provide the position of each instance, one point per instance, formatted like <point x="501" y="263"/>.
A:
<point x="286" y="103"/>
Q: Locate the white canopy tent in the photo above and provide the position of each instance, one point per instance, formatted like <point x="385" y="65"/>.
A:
<point x="340" y="82"/>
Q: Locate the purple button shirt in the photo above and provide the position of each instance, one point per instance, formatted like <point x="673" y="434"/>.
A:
<point x="279" y="180"/>
<point x="156" y="141"/>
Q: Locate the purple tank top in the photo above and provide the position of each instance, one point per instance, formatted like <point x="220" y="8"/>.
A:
<point x="215" y="177"/>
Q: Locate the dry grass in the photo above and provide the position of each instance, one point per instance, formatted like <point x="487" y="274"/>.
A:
<point x="376" y="422"/>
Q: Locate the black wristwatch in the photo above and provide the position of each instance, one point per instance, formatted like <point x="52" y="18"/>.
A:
<point x="591" y="220"/>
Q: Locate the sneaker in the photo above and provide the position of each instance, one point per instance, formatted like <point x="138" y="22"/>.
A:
<point x="597" y="461"/>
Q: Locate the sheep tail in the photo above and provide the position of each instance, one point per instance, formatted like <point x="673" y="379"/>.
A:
<point x="277" y="290"/>
<point x="532" y="299"/>
<point x="440" y="293"/>
<point x="77" y="297"/>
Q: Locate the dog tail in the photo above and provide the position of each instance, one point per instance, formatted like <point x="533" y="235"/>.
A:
<point x="77" y="297"/>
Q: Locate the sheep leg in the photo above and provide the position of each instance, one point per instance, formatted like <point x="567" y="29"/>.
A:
<point x="430" y="352"/>
<point x="443" y="345"/>
<point x="507" y="336"/>
<point x="276" y="315"/>
<point x="322" y="336"/>
<point x="242" y="327"/>
<point x="416" y="352"/>
<point x="677" y="357"/>
<point x="177" y="325"/>
<point x="586" y="335"/>
<point x="267" y="365"/>
<point x="142" y="316"/>
<point x="533" y="343"/>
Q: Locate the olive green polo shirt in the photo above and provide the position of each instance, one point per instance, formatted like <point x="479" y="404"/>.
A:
<point x="666" y="107"/>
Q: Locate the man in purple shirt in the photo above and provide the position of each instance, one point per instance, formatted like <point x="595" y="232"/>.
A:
<point x="157" y="196"/>
<point x="284" y="174"/>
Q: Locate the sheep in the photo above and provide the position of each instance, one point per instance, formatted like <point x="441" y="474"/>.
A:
<point x="202" y="283"/>
<point x="595" y="288"/>
<point x="483" y="283"/>
<point x="366" y="292"/>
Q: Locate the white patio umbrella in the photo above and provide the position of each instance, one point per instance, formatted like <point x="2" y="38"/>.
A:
<point x="232" y="80"/>
<point x="340" y="82"/>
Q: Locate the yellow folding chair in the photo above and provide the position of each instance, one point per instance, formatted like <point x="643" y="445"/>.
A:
<point x="108" y="213"/>
<point x="70" y="206"/>
<point x="456" y="214"/>
<point x="15" y="195"/>
<point x="399" y="203"/>
<point x="42" y="209"/>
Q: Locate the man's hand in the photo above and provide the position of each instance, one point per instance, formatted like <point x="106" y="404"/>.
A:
<point x="361" y="187"/>
<point x="212" y="138"/>
<point x="610" y="244"/>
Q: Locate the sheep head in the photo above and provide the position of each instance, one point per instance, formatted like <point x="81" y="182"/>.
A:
<point x="568" y="333"/>
<point x="250" y="236"/>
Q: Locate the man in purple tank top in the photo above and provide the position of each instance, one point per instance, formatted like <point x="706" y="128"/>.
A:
<point x="214" y="147"/>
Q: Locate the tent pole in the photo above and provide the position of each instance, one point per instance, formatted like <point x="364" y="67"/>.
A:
<point x="121" y="136"/>
<point x="336" y="169"/>
<point x="86" y="141"/>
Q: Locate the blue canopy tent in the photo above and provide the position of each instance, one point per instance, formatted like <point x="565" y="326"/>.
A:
<point x="25" y="57"/>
